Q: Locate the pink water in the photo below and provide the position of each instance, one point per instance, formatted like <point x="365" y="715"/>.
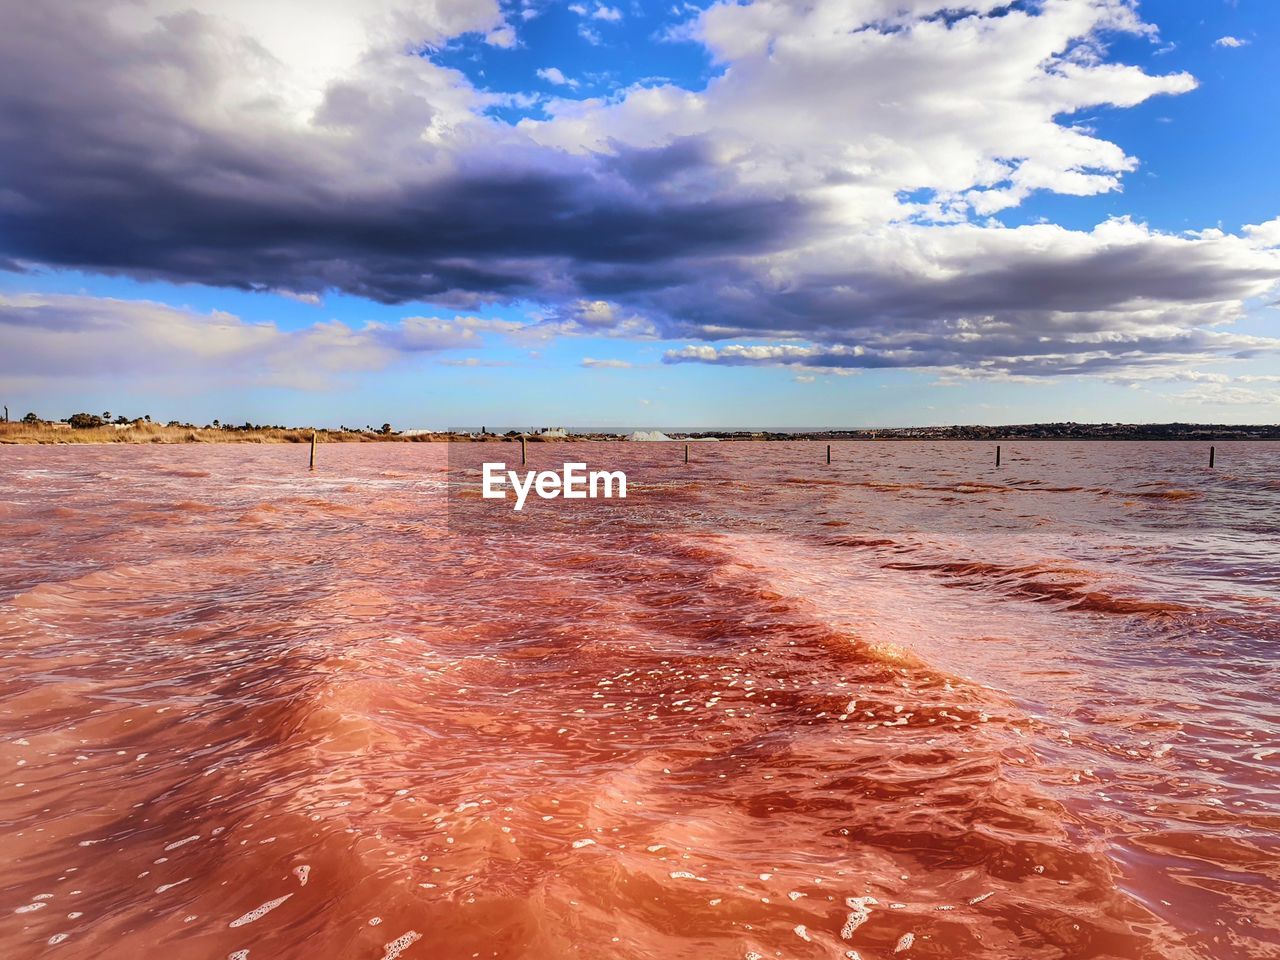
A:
<point x="906" y="705"/>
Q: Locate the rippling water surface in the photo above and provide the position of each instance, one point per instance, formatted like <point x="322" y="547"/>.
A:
<point x="906" y="705"/>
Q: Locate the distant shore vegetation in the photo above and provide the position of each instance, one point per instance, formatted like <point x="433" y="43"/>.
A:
<point x="116" y="428"/>
<point x="106" y="428"/>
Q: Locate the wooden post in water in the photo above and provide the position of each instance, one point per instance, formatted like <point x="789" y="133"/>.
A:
<point x="686" y="453"/>
<point x="997" y="454"/>
<point x="828" y="454"/>
<point x="313" y="450"/>
<point x="1211" y="453"/>
<point x="522" y="450"/>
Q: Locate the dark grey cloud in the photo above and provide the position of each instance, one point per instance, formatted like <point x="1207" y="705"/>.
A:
<point x="1032" y="301"/>
<point x="104" y="171"/>
<point x="994" y="356"/>
<point x="192" y="211"/>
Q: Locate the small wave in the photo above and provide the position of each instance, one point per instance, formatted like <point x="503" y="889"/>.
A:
<point x="1069" y="586"/>
<point x="814" y="482"/>
<point x="1170" y="494"/>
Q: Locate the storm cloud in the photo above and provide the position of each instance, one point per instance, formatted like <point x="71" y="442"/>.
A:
<point x="140" y="153"/>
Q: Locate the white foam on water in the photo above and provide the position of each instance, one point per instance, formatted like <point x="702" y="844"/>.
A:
<point x="860" y="910"/>
<point x="979" y="899"/>
<point x="803" y="933"/>
<point x="56" y="939"/>
<point x="400" y="944"/>
<point x="905" y="942"/>
<point x="31" y="907"/>
<point x="302" y="873"/>
<point x="238" y="955"/>
<point x="579" y="844"/>
<point x="169" y="886"/>
<point x="257" y="913"/>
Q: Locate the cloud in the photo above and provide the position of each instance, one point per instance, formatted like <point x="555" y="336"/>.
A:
<point x="594" y="364"/>
<point x="1137" y="378"/>
<point x="171" y="138"/>
<point x="472" y="362"/>
<point x="829" y="187"/>
<point x="599" y="12"/>
<point x="1221" y="396"/>
<point x="503" y="36"/>
<point x="592" y="318"/>
<point x="1216" y="389"/>
<point x="1034" y="300"/>
<point x="1229" y="41"/>
<point x="1264" y="235"/>
<point x="554" y="75"/>
<point x="990" y="141"/>
<point x="311" y="299"/>
<point x="60" y="336"/>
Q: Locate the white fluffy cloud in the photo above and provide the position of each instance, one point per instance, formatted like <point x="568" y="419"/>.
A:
<point x="1264" y="235"/>
<point x="854" y="102"/>
<point x="556" y="75"/>
<point x="303" y="48"/>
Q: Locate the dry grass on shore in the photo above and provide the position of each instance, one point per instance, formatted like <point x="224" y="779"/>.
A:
<point x="155" y="433"/>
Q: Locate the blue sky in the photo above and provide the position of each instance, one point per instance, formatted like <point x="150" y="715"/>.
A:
<point x="1205" y="155"/>
<point x="600" y="51"/>
<point x="769" y="273"/>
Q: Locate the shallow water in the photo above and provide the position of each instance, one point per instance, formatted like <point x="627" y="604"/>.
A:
<point x="907" y="704"/>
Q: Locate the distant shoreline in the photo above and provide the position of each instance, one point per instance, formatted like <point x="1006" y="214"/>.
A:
<point x="152" y="433"/>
